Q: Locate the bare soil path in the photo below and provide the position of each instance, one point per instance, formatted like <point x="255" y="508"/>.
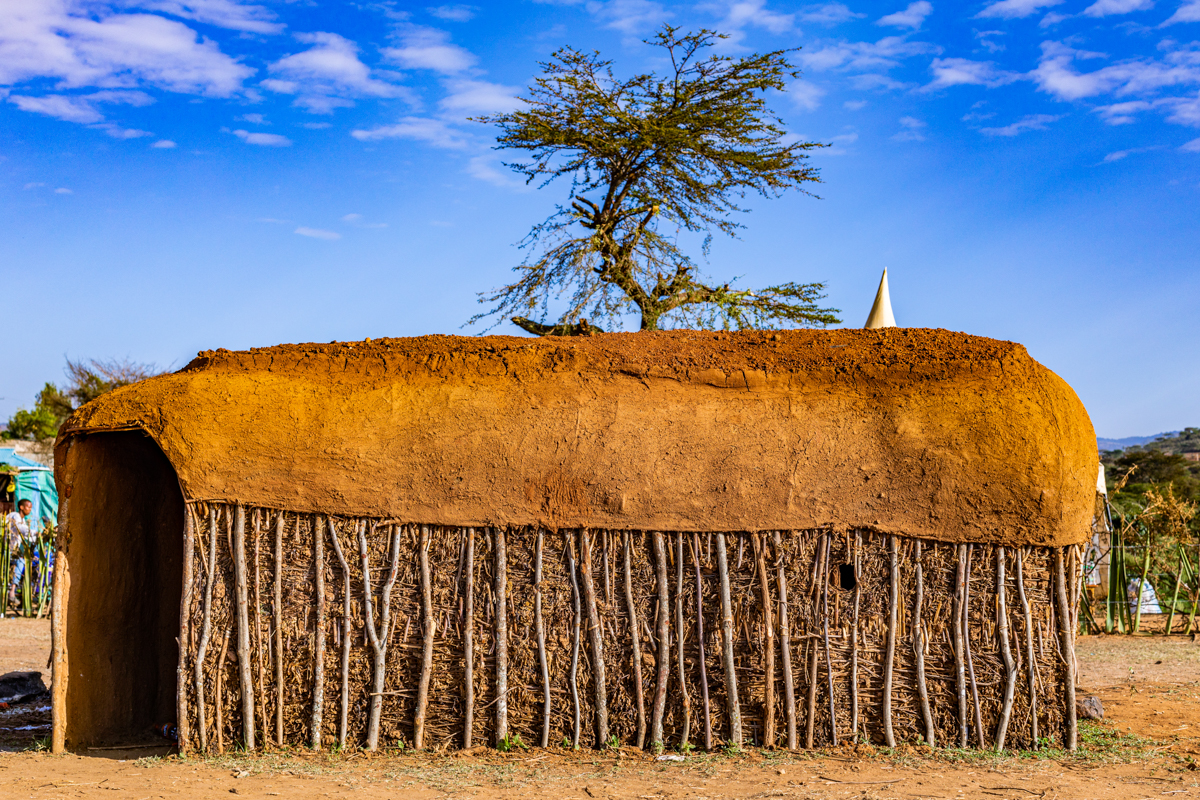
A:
<point x="1148" y="747"/>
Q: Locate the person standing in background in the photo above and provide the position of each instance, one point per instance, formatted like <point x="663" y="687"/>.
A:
<point x="21" y="529"/>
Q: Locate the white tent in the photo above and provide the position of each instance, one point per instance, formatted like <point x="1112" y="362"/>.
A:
<point x="881" y="313"/>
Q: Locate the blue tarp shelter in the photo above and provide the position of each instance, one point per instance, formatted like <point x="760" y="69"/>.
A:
<point x="34" y="482"/>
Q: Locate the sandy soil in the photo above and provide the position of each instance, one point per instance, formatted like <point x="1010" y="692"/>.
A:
<point x="1147" y="747"/>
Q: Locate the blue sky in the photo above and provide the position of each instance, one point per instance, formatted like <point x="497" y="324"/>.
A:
<point x="178" y="175"/>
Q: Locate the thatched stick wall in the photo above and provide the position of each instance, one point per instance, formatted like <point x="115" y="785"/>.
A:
<point x="479" y="593"/>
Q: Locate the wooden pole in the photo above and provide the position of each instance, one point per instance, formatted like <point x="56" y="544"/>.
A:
<point x="733" y="706"/>
<point x="967" y="647"/>
<point x="430" y="631"/>
<point x="1010" y="667"/>
<point x="243" y="626"/>
<point x="1032" y="665"/>
<point x="1175" y="594"/>
<point x="318" y="706"/>
<point x="828" y="654"/>
<point x="595" y="640"/>
<point x="277" y="610"/>
<point x="469" y="642"/>
<point x="636" y="645"/>
<point x="501" y="637"/>
<point x="854" y="640"/>
<point x="344" y="694"/>
<point x="785" y="646"/>
<point x="61" y="590"/>
<point x="1067" y="637"/>
<point x="960" y="672"/>
<point x="680" y="641"/>
<point x="379" y="643"/>
<point x="919" y="650"/>
<point x="206" y="627"/>
<point x="764" y="586"/>
<point x="893" y="623"/>
<point x="663" y="661"/>
<point x="576" y="619"/>
<point x="261" y="693"/>
<point x="708" y="745"/>
<point x="182" y="720"/>
<point x="540" y="631"/>
<point x="810" y="717"/>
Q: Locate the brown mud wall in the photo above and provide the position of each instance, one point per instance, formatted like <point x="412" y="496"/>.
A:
<point x="923" y="433"/>
<point x="800" y="557"/>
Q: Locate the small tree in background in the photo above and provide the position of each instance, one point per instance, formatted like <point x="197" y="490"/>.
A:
<point x="651" y="158"/>
<point x="86" y="380"/>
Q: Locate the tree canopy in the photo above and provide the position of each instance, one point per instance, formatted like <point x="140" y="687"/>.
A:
<point x="86" y="380"/>
<point x="651" y="159"/>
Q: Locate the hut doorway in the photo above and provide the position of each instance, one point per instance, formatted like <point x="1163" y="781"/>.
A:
<point x="126" y="549"/>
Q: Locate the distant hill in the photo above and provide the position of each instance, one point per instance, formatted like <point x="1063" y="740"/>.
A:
<point x="1130" y="441"/>
<point x="1175" y="443"/>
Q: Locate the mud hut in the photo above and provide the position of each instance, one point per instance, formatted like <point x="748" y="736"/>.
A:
<point x="789" y="539"/>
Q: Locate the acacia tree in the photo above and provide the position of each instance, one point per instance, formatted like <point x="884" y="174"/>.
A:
<point x="651" y="159"/>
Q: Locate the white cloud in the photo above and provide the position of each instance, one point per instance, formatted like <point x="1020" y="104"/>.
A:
<point x="854" y="105"/>
<point x="163" y="144"/>
<point x="117" y="132"/>
<point x="754" y="13"/>
<point x="1009" y="9"/>
<point x="630" y="17"/>
<point x="828" y="14"/>
<point x="318" y="233"/>
<point x="254" y="119"/>
<point x="1033" y="122"/>
<point x="1122" y="113"/>
<point x="488" y="169"/>
<point x="357" y="221"/>
<point x="911" y="17"/>
<point x="423" y="129"/>
<point x="912" y="130"/>
<point x="1188" y="11"/>
<point x="1106" y="8"/>
<point x="33" y="185"/>
<point x="221" y="13"/>
<point x="806" y="95"/>
<point x="840" y="145"/>
<point x="1191" y="147"/>
<point x="1183" y="110"/>
<point x="429" y="48"/>
<point x="985" y="40"/>
<point x="1056" y="76"/>
<point x="962" y="71"/>
<point x="59" y="40"/>
<point x="327" y="76"/>
<point x="264" y="139"/>
<point x="480" y="97"/>
<point x="1120" y="155"/>
<point x="81" y="107"/>
<point x="862" y="56"/>
<point x="62" y="190"/>
<point x="459" y="13"/>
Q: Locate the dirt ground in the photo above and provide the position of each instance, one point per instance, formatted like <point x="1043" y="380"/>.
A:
<point x="1147" y="747"/>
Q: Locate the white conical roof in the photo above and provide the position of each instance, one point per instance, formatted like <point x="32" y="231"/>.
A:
<point x="881" y="313"/>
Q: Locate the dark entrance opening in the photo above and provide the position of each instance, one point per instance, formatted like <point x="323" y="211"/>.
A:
<point x="126" y="551"/>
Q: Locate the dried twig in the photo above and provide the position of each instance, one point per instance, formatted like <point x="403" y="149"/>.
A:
<point x="469" y="643"/>
<point x="501" y="636"/>
<point x="760" y="549"/>
<point x="828" y="655"/>
<point x="379" y="644"/>
<point x="967" y="648"/>
<point x="1067" y="637"/>
<point x="959" y="632"/>
<point x="854" y="640"/>
<point x="577" y="613"/>
<point x="206" y="626"/>
<point x="344" y="697"/>
<point x="278" y="613"/>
